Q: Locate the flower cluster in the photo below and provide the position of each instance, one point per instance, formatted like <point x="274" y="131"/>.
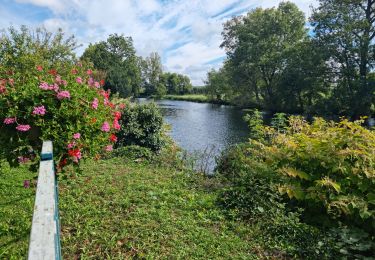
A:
<point x="41" y="110"/>
<point x="68" y="106"/>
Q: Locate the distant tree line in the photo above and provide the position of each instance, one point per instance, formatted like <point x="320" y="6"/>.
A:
<point x="274" y="62"/>
<point x="130" y="75"/>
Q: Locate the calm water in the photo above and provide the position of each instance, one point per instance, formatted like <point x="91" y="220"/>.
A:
<point x="201" y="127"/>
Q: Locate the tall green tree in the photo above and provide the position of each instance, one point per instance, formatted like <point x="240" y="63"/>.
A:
<point x="345" y="29"/>
<point x="153" y="70"/>
<point x="117" y="57"/>
<point x="258" y="47"/>
<point x="217" y="85"/>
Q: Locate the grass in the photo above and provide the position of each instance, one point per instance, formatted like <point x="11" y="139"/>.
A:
<point x="125" y="210"/>
<point x="119" y="209"/>
<point x="191" y="97"/>
<point x="16" y="210"/>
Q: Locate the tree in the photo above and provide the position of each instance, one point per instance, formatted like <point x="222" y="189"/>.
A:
<point x="117" y="57"/>
<point x="153" y="71"/>
<point x="185" y="85"/>
<point x="346" y="30"/>
<point x="258" y="46"/>
<point x="217" y="84"/>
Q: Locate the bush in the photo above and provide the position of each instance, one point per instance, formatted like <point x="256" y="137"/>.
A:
<point x="144" y="127"/>
<point x="325" y="164"/>
<point x="46" y="95"/>
<point x="326" y="169"/>
<point x="251" y="194"/>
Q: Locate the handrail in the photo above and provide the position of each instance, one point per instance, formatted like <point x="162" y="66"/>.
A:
<point x="45" y="229"/>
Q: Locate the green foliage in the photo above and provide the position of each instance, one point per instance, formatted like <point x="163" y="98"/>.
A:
<point x="255" y="121"/>
<point x="176" y="84"/>
<point x="117" y="58"/>
<point x="279" y="122"/>
<point x="217" y="85"/>
<point x="50" y="103"/>
<point x="133" y="152"/>
<point x="152" y="73"/>
<point x="251" y="194"/>
<point x="16" y="210"/>
<point x="352" y="243"/>
<point x="190" y="97"/>
<point x="141" y="210"/>
<point x="326" y="169"/>
<point x="346" y="31"/>
<point x="144" y="127"/>
<point x="262" y="48"/>
<point x="24" y="49"/>
<point x="325" y="164"/>
<point x="273" y="63"/>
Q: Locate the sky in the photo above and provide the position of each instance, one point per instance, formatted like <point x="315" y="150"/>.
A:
<point x="186" y="33"/>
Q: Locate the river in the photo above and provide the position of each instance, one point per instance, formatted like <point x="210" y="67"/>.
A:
<point x="203" y="129"/>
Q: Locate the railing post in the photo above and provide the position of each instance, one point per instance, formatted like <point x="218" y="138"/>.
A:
<point x="45" y="229"/>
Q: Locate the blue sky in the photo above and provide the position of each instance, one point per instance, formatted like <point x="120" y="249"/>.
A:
<point x="185" y="33"/>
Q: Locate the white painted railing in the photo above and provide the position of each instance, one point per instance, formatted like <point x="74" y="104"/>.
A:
<point x="45" y="229"/>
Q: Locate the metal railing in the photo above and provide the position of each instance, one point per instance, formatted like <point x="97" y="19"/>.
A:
<point x="45" y="229"/>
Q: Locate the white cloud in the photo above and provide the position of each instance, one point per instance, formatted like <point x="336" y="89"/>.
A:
<point x="55" y="5"/>
<point x="187" y="34"/>
<point x="54" y="24"/>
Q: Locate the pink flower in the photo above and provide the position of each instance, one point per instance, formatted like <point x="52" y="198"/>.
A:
<point x="22" y="159"/>
<point x="54" y="87"/>
<point x="77" y="136"/>
<point x="26" y="184"/>
<point x="63" y="94"/>
<point x="9" y="120"/>
<point x="116" y="125"/>
<point x="58" y="79"/>
<point x="64" y="82"/>
<point x="90" y="82"/>
<point x="79" y="80"/>
<point x="23" y="128"/>
<point x="89" y="72"/>
<point x="39" y="68"/>
<point x="96" y="84"/>
<point x="41" y="110"/>
<point x="108" y="148"/>
<point x="95" y="103"/>
<point x="106" y="127"/>
<point x="44" y="86"/>
<point x="71" y="145"/>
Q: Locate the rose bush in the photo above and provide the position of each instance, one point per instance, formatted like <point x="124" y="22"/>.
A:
<point x="66" y="105"/>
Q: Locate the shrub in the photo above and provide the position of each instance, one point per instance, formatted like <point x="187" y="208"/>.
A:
<point x="327" y="171"/>
<point x="144" y="127"/>
<point x="251" y="194"/>
<point x="326" y="164"/>
<point x="65" y="106"/>
<point x="46" y="95"/>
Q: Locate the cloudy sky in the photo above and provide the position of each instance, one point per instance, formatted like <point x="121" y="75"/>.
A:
<point x="186" y="33"/>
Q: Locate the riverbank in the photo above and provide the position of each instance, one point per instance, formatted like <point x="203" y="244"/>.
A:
<point x="195" y="98"/>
